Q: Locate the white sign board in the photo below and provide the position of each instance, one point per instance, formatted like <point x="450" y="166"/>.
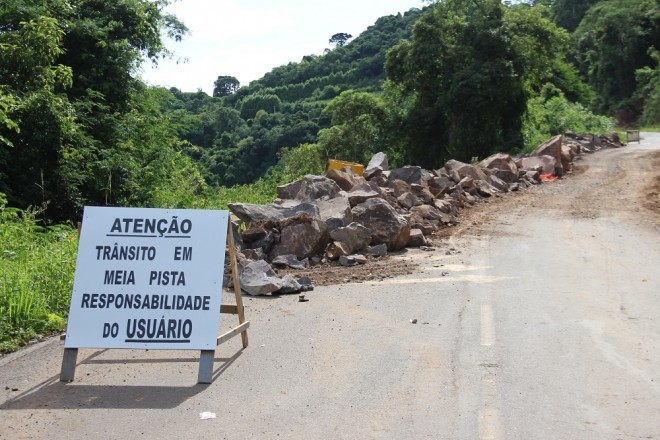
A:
<point x="148" y="278"/>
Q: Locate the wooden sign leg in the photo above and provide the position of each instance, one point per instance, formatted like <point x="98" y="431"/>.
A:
<point x="69" y="360"/>
<point x="205" y="374"/>
<point x="237" y="284"/>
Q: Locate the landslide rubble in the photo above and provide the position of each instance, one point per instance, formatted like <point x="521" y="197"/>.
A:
<point x="341" y="227"/>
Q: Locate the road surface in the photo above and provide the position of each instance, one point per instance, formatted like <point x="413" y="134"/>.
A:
<point x="538" y="319"/>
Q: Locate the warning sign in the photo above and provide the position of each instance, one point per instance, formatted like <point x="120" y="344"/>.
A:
<point x="148" y="278"/>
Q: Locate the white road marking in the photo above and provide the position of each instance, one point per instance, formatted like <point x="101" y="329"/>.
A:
<point x="487" y="325"/>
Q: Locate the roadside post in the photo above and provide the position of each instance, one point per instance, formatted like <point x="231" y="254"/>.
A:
<point x="151" y="278"/>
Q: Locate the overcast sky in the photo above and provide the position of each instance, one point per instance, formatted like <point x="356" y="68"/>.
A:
<point x="247" y="38"/>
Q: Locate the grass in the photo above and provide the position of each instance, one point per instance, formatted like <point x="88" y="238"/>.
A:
<point x="37" y="266"/>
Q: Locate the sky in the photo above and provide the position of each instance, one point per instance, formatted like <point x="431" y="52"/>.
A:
<point x="247" y="38"/>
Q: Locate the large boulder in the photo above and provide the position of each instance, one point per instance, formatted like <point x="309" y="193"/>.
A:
<point x="309" y="188"/>
<point x="260" y="235"/>
<point x="356" y="237"/>
<point x="385" y="224"/>
<point x="552" y="148"/>
<point x="361" y="193"/>
<point x="335" y="212"/>
<point x="283" y="261"/>
<point x="502" y="166"/>
<point x="416" y="238"/>
<point x="303" y="236"/>
<point x="465" y="170"/>
<point x="409" y="174"/>
<point x="376" y="165"/>
<point x="250" y="213"/>
<point x="258" y="278"/>
<point x="440" y="185"/>
<point x="543" y="164"/>
<point x="346" y="179"/>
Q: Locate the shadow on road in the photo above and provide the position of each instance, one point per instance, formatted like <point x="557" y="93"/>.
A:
<point x="53" y="394"/>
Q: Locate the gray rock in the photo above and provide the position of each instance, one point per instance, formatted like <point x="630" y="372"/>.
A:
<point x="254" y="254"/>
<point x="543" y="164"/>
<point x="346" y="179"/>
<point x="290" y="261"/>
<point x="551" y="148"/>
<point x="337" y="249"/>
<point x="465" y="170"/>
<point x="317" y="188"/>
<point x="335" y="212"/>
<point x="347" y="260"/>
<point x="360" y="194"/>
<point x="356" y="237"/>
<point x="250" y="213"/>
<point x="305" y="284"/>
<point x="440" y="185"/>
<point x="380" y="250"/>
<point x="303" y="236"/>
<point x="502" y="166"/>
<point x="258" y="278"/>
<point x="422" y="193"/>
<point x="288" y="284"/>
<point x="385" y="224"/>
<point x="416" y="238"/>
<point x="407" y="200"/>
<point x="378" y="163"/>
<point x="409" y="174"/>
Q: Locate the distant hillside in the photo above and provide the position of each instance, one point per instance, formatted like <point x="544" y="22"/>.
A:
<point x="236" y="138"/>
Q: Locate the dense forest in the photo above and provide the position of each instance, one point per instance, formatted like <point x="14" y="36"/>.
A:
<point x="453" y="79"/>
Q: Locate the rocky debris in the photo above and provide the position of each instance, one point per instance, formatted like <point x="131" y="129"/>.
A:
<point x="335" y="212"/>
<point x="354" y="237"/>
<point x="349" y="219"/>
<point x="416" y="238"/>
<point x="377" y="251"/>
<point x="541" y="164"/>
<point x="409" y="174"/>
<point x="258" y="278"/>
<point x="551" y="148"/>
<point x="502" y="166"/>
<point x="303" y="236"/>
<point x="346" y="179"/>
<point x="251" y="214"/>
<point x="376" y="165"/>
<point x="290" y="261"/>
<point x="386" y="225"/>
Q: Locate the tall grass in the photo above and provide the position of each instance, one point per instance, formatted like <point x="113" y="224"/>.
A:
<point x="36" y="276"/>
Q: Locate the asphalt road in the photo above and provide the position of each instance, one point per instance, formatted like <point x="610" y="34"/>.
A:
<point x="539" y="319"/>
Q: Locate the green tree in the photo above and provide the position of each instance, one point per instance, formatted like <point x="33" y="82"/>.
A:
<point x="358" y="126"/>
<point x="569" y="13"/>
<point x="225" y="85"/>
<point x="466" y="82"/>
<point x="260" y="101"/>
<point x="611" y="43"/>
<point x="70" y="67"/>
<point x="648" y="80"/>
<point x="340" y="39"/>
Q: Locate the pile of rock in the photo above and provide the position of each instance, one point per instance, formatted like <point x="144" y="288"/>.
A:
<point x="346" y="217"/>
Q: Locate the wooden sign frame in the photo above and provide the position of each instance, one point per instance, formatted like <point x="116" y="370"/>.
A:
<point x="633" y="136"/>
<point x="206" y="360"/>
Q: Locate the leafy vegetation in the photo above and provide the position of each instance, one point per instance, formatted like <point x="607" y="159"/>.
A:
<point x="455" y="79"/>
<point x="37" y="267"/>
